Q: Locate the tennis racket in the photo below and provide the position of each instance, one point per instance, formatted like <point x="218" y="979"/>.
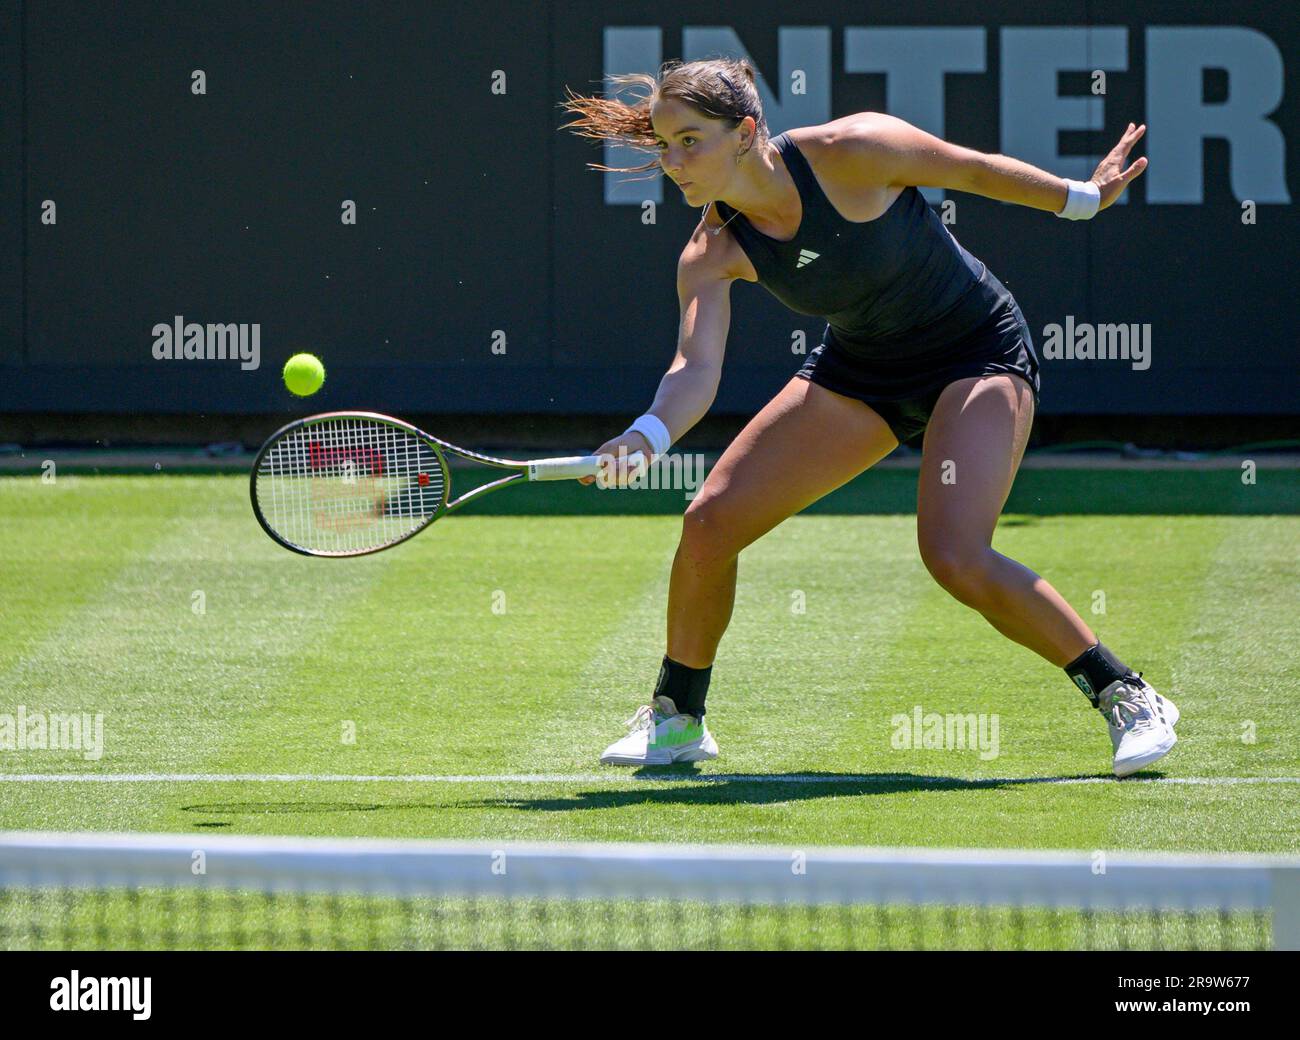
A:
<point x="352" y="483"/>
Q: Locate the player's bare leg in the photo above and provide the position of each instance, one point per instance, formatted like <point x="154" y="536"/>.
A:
<point x="972" y="449"/>
<point x="806" y="442"/>
<point x="973" y="446"/>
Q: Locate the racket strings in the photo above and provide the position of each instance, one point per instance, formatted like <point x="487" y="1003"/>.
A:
<point x="348" y="485"/>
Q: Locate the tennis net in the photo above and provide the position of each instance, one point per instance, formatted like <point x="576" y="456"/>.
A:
<point x="138" y="891"/>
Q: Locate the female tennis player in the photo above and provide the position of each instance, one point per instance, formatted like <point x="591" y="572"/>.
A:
<point x="921" y="340"/>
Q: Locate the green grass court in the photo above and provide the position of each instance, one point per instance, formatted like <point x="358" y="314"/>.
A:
<point x="100" y="578"/>
<point x="197" y="919"/>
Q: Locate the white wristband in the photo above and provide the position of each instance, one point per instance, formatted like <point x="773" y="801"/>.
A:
<point x="654" y="431"/>
<point x="1083" y="200"/>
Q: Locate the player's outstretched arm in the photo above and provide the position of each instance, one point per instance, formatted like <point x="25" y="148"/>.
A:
<point x="896" y="152"/>
<point x="688" y="388"/>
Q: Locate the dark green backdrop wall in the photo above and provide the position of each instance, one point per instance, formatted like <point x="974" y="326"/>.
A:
<point x="479" y="227"/>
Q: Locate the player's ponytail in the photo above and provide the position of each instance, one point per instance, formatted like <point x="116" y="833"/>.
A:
<point x="721" y="88"/>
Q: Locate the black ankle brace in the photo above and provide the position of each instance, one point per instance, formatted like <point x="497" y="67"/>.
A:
<point x="1095" y="669"/>
<point x="686" y="686"/>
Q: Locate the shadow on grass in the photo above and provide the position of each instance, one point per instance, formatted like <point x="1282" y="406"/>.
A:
<point x="765" y="789"/>
<point x="261" y="808"/>
<point x="686" y="786"/>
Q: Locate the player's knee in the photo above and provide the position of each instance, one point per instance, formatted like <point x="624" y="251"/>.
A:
<point x="961" y="570"/>
<point x="707" y="529"/>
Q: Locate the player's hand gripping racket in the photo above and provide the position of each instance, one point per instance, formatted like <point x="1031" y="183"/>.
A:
<point x="351" y="483"/>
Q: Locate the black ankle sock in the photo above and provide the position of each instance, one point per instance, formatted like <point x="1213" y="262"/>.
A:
<point x="1095" y="669"/>
<point x="686" y="686"/>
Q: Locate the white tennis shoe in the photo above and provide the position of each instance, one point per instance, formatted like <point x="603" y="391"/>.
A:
<point x="1141" y="723"/>
<point x="660" y="735"/>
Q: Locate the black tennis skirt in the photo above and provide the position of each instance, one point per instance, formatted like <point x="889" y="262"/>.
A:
<point x="905" y="391"/>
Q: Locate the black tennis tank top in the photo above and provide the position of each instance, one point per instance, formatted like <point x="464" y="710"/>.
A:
<point x="891" y="288"/>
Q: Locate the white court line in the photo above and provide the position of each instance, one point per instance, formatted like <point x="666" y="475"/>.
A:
<point x="606" y="778"/>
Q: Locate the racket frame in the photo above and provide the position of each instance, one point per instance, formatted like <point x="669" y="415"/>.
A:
<point x="536" y="469"/>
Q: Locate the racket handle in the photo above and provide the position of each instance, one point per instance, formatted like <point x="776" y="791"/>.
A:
<point x="573" y="467"/>
<point x="569" y="467"/>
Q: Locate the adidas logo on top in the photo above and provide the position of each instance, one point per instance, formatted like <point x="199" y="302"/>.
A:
<point x="806" y="256"/>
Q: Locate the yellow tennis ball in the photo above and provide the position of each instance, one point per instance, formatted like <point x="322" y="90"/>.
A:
<point x="304" y="374"/>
